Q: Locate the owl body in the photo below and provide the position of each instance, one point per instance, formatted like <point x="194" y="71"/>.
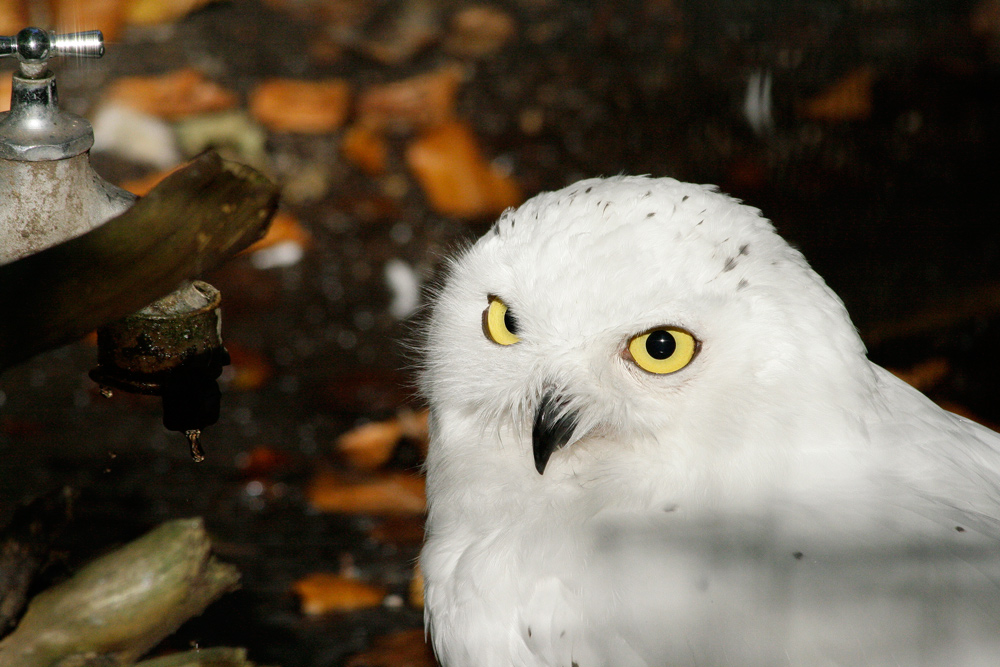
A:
<point x="656" y="440"/>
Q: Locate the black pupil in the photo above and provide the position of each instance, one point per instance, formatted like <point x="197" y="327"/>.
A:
<point x="510" y="321"/>
<point x="660" y="344"/>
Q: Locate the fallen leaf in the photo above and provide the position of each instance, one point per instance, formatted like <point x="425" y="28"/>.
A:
<point x="108" y="16"/>
<point x="322" y="593"/>
<point x="142" y="186"/>
<point x="365" y="148"/>
<point x="409" y="28"/>
<point x="408" y="648"/>
<point x="924" y="375"/>
<point x="455" y="177"/>
<point x="370" y="445"/>
<point x="399" y="530"/>
<point x="284" y="227"/>
<point x="6" y="83"/>
<point x="307" y="107"/>
<point x="13" y="17"/>
<point x="422" y="101"/>
<point x="178" y="94"/>
<point x="249" y="369"/>
<point x="417" y="587"/>
<point x="153" y="12"/>
<point x="262" y="462"/>
<point x="849" y="98"/>
<point x="392" y="493"/>
<point x="478" y="31"/>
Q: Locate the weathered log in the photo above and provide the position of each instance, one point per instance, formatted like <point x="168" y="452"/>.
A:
<point x="194" y="220"/>
<point x="121" y="605"/>
<point x="24" y="549"/>
<point x="220" y="656"/>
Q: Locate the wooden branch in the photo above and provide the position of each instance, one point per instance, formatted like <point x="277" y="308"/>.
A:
<point x="24" y="549"/>
<point x="197" y="218"/>
<point x="121" y="605"/>
<point x="206" y="657"/>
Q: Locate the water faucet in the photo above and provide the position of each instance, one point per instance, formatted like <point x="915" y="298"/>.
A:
<point x="53" y="205"/>
<point x="48" y="191"/>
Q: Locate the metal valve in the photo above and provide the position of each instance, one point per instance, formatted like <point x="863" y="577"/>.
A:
<point x="34" y="47"/>
<point x="36" y="129"/>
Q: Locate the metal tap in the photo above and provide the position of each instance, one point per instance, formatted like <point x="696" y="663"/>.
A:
<point x="48" y="191"/>
<point x="49" y="194"/>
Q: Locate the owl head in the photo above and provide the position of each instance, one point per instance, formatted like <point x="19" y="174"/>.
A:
<point x="634" y="328"/>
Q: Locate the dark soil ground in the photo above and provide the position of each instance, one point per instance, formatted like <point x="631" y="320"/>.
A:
<point x="896" y="207"/>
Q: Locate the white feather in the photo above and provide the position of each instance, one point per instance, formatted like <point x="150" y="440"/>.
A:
<point x="780" y="500"/>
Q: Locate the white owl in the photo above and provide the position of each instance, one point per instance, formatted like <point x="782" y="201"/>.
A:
<point x="656" y="440"/>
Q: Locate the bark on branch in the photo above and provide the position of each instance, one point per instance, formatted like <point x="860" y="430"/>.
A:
<point x="194" y="220"/>
<point x="118" y="607"/>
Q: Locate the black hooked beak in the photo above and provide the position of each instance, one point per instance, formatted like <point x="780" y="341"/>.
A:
<point x="553" y="428"/>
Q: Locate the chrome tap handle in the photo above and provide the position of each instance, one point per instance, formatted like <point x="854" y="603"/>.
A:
<point x="33" y="47"/>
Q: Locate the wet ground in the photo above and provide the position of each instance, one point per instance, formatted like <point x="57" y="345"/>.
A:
<point x="895" y="205"/>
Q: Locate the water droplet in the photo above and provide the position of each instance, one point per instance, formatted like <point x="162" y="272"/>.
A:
<point x="107" y="392"/>
<point x="194" y="437"/>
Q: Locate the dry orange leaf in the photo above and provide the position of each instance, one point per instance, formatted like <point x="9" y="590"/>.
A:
<point x="142" y="186"/>
<point x="178" y="94"/>
<point x="366" y="148"/>
<point x="454" y="175"/>
<point x="108" y="16"/>
<point x="371" y="445"/>
<point x="850" y="98"/>
<point x="399" y="530"/>
<point x="924" y="375"/>
<point x="5" y="86"/>
<point x="153" y="12"/>
<point x="479" y="30"/>
<point x="284" y="227"/>
<point x="393" y="493"/>
<point x="417" y="587"/>
<point x="13" y="17"/>
<point x="421" y="101"/>
<point x="294" y="105"/>
<point x="322" y="593"/>
<point x="408" y="648"/>
<point x="249" y="369"/>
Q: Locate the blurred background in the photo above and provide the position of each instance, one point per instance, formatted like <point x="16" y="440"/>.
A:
<point x="867" y="130"/>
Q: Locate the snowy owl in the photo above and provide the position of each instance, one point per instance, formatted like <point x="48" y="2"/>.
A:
<point x="656" y="440"/>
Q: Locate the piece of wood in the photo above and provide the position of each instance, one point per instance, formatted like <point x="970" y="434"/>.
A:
<point x="24" y="549"/>
<point x="121" y="605"/>
<point x="197" y="218"/>
<point x="219" y="656"/>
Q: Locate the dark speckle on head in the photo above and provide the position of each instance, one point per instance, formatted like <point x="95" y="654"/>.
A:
<point x="730" y="265"/>
<point x="743" y="284"/>
<point x="960" y="529"/>
<point x="745" y="249"/>
<point x="699" y="222"/>
<point x="650" y="214"/>
<point x="588" y="190"/>
<point x="529" y="630"/>
<point x="798" y="555"/>
<point x="684" y="198"/>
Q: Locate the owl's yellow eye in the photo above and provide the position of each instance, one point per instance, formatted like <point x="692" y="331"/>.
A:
<point x="664" y="350"/>
<point x="499" y="324"/>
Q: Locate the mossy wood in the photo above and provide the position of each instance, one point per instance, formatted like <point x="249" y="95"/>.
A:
<point x="119" y="606"/>
<point x="194" y="220"/>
